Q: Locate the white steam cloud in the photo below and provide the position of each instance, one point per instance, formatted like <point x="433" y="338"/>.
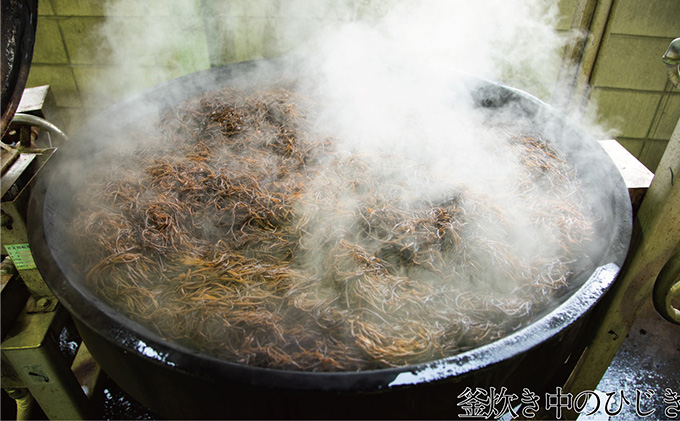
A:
<point x="391" y="78"/>
<point x="386" y="77"/>
<point x="388" y="86"/>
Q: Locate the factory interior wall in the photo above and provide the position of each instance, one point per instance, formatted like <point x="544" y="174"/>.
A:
<point x="629" y="93"/>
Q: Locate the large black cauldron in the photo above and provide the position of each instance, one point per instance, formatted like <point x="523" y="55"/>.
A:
<point x="177" y="382"/>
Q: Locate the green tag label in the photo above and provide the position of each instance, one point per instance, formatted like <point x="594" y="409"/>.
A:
<point x="21" y="256"/>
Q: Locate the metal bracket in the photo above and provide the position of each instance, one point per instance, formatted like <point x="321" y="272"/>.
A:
<point x="32" y="359"/>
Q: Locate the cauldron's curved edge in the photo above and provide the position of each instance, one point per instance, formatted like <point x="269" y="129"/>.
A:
<point x="182" y="358"/>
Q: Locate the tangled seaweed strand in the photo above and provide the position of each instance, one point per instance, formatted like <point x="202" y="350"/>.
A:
<point x="231" y="234"/>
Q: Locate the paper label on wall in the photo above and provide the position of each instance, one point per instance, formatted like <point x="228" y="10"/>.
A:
<point x="21" y="256"/>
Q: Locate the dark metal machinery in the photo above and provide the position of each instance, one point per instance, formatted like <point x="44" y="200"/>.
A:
<point x="39" y="341"/>
<point x="40" y="347"/>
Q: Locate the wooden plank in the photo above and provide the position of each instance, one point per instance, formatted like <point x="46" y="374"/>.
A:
<point x="33" y="100"/>
<point x="637" y="177"/>
<point x="634" y="173"/>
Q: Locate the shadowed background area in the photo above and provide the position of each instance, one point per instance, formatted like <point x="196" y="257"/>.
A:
<point x="135" y="45"/>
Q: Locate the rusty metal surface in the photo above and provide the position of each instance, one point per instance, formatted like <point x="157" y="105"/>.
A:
<point x="19" y="23"/>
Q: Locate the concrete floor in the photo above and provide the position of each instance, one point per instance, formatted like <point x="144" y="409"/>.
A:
<point x="649" y="359"/>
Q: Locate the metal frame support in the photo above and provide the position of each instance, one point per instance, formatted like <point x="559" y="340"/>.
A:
<point x="35" y="361"/>
<point x="33" y="366"/>
<point x="656" y="238"/>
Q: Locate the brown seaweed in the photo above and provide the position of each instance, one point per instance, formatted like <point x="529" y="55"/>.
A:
<point x="211" y="235"/>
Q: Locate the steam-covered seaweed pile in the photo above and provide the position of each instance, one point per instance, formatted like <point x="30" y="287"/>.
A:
<point x="245" y="234"/>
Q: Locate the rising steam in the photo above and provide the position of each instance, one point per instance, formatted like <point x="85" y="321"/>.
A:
<point x="393" y="89"/>
<point x="414" y="163"/>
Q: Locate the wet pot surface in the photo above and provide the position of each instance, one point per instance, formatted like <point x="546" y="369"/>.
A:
<point x="177" y="382"/>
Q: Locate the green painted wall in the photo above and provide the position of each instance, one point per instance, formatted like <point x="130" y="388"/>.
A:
<point x="94" y="53"/>
<point x="630" y="88"/>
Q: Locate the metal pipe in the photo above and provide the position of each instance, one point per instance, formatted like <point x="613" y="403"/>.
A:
<point x="667" y="285"/>
<point x="672" y="59"/>
<point x="36" y="121"/>
<point x="667" y="288"/>
<point x="25" y="403"/>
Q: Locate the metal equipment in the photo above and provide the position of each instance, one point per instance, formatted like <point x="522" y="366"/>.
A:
<point x="39" y="340"/>
<point x="672" y="60"/>
<point x="651" y="267"/>
<point x="43" y="357"/>
<point x="666" y="293"/>
<point x="176" y="381"/>
<point x="40" y="345"/>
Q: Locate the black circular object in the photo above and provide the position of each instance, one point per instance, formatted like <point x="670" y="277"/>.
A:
<point x="178" y="382"/>
<point x="19" y="23"/>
